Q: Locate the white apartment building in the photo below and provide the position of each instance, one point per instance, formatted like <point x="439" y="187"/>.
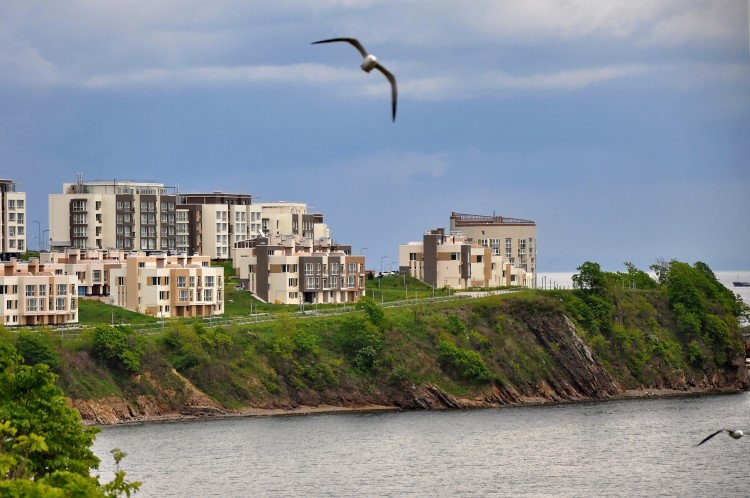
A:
<point x="123" y="215"/>
<point x="34" y="294"/>
<point x="168" y="286"/>
<point x="12" y="220"/>
<point x="291" y="270"/>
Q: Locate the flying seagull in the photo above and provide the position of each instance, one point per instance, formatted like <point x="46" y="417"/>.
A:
<point x="369" y="63"/>
<point x="735" y="434"/>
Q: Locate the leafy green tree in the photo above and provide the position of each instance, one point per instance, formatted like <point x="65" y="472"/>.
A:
<point x="374" y="313"/>
<point x="37" y="347"/>
<point x="638" y="278"/>
<point x="590" y="277"/>
<point x="44" y="448"/>
<point x="118" y="347"/>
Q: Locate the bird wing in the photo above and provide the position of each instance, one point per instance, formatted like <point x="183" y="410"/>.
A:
<point x="712" y="435"/>
<point x="353" y="41"/>
<point x="394" y="89"/>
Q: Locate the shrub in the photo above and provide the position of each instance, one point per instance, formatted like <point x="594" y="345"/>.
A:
<point x="36" y="348"/>
<point x="469" y="364"/>
<point x="119" y="347"/>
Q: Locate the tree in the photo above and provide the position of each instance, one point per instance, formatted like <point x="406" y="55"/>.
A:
<point x="374" y="313"/>
<point x="119" y="347"/>
<point x="44" y="447"/>
<point x="591" y="277"/>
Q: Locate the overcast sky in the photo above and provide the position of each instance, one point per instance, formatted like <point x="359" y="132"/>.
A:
<point x="622" y="128"/>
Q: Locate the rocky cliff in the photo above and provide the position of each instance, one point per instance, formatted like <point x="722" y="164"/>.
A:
<point x="571" y="372"/>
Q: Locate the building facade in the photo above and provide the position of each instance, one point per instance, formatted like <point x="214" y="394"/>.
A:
<point x="512" y="238"/>
<point x="35" y="294"/>
<point x="12" y="221"/>
<point x="91" y="268"/>
<point x="291" y="270"/>
<point x="218" y="220"/>
<point x="167" y="286"/>
<point x="123" y="215"/>
<point x="453" y="261"/>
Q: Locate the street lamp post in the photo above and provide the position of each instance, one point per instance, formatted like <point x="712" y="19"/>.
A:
<point x="380" y="277"/>
<point x="44" y="245"/>
<point x="39" y="234"/>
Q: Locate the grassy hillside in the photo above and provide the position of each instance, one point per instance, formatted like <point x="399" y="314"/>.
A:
<point x="558" y="345"/>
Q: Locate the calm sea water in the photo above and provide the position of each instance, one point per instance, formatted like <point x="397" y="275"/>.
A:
<point x="643" y="447"/>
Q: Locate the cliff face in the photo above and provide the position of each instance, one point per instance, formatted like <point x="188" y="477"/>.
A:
<point x="538" y="336"/>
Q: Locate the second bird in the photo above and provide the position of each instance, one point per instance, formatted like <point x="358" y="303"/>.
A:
<point x="369" y="63"/>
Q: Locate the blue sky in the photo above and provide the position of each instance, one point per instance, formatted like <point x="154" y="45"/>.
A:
<point x="621" y="127"/>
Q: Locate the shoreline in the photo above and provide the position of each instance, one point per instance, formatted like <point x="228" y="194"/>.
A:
<point x="211" y="413"/>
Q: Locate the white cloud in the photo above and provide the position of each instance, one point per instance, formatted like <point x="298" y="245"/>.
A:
<point x="191" y="76"/>
<point x="499" y="83"/>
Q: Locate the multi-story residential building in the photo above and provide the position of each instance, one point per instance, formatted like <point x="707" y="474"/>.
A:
<point x="91" y="267"/>
<point x="34" y="294"/>
<point x="291" y="270"/>
<point x="115" y="214"/>
<point x="456" y="262"/>
<point x="168" y="286"/>
<point x="12" y="221"/>
<point x="287" y="218"/>
<point x="512" y="238"/>
<point x="218" y="221"/>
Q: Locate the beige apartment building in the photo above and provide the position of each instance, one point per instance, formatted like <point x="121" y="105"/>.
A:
<point x="167" y="286"/>
<point x="123" y="215"/>
<point x="36" y="294"/>
<point x="91" y="267"/>
<point x="453" y="261"/>
<point x="292" y="270"/>
<point x="12" y="221"/>
<point x="512" y="238"/>
<point x="220" y="220"/>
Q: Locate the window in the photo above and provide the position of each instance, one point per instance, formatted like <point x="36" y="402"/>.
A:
<point x="308" y="268"/>
<point x="334" y="282"/>
<point x="192" y="281"/>
<point x="208" y="294"/>
<point x="293" y="282"/>
<point x="181" y="280"/>
<point x="286" y="268"/>
<point x="30" y="290"/>
<point x="20" y="204"/>
<point x="183" y="296"/>
<point x="310" y="282"/>
<point x="96" y="275"/>
<point x="11" y="205"/>
<point x="334" y="268"/>
<point x="31" y="304"/>
<point x="350" y="281"/>
<point x="352" y="267"/>
<point x="60" y="304"/>
<point x="42" y="290"/>
<point x="209" y="281"/>
<point x="62" y="289"/>
<point x="454" y="256"/>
